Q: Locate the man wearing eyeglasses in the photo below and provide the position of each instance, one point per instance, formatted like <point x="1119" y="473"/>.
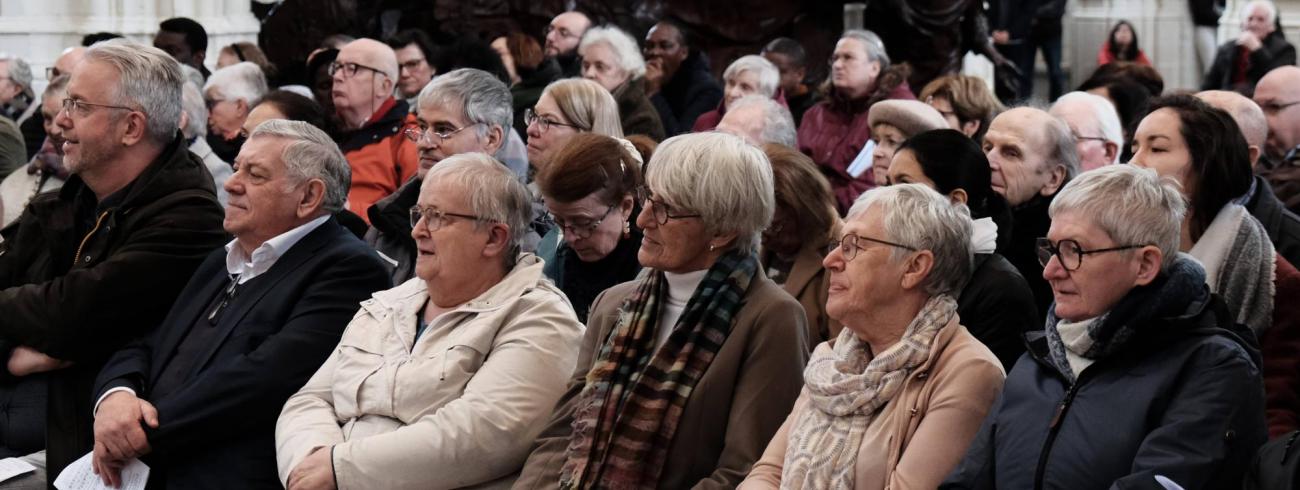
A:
<point x="365" y="74"/>
<point x="562" y="37"/>
<point x="88" y="268"/>
<point x="1278" y="94"/>
<point x="1098" y="135"/>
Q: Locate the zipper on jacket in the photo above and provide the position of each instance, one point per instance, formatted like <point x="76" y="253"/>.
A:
<point x="90" y="233"/>
<point x="1052" y="430"/>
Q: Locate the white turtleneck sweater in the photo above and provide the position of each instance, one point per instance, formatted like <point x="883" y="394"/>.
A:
<point x="680" y="289"/>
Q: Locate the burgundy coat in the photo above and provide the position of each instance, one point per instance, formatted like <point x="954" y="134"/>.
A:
<point x="834" y="138"/>
<point x="1281" y="349"/>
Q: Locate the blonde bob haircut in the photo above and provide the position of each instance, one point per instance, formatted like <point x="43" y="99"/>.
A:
<point x="721" y="177"/>
<point x="587" y="105"/>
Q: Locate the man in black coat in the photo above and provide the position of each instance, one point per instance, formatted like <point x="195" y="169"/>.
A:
<point x="199" y="396"/>
<point x="677" y="78"/>
<point x="1261" y="47"/>
<point x="88" y="268"/>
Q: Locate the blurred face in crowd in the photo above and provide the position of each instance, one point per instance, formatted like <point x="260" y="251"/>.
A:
<point x="174" y="44"/>
<point x="502" y="46"/>
<point x="783" y="236"/>
<point x="461" y="136"/>
<point x="66" y="61"/>
<point x="852" y="71"/>
<point x="887" y="138"/>
<point x="592" y="228"/>
<point x="945" y="108"/>
<point x="414" y="71"/>
<point x="1018" y="153"/>
<point x="745" y="122"/>
<point x="8" y="89"/>
<point x="93" y="134"/>
<point x="50" y="107"/>
<point x="1256" y="20"/>
<point x="666" y="45"/>
<point x="1094" y="150"/>
<point x="601" y="65"/>
<point x="225" y="115"/>
<point x="1158" y="144"/>
<point x="1278" y="94"/>
<point x="906" y="169"/>
<point x="1102" y="279"/>
<point x="563" y="34"/>
<point x="1123" y="35"/>
<point x="791" y="76"/>
<point x="740" y="85"/>
<point x="265" y="199"/>
<point x="548" y="131"/>
<point x="260" y="114"/>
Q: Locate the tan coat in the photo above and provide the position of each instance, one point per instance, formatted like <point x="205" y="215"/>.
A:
<point x="922" y="433"/>
<point x="733" y="411"/>
<point x="458" y="407"/>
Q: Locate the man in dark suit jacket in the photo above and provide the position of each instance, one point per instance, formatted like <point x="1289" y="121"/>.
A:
<point x="1239" y="64"/>
<point x="199" y="396"/>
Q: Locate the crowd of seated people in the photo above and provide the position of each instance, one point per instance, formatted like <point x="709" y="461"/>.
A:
<point x="577" y="259"/>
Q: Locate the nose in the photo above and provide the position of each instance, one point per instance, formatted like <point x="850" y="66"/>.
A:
<point x="589" y="73"/>
<point x="645" y="219"/>
<point x="63" y="120"/>
<point x="534" y="129"/>
<point x="833" y="260"/>
<point x="1054" y="269"/>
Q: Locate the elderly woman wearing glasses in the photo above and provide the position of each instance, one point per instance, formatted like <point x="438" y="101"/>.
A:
<point x="568" y="107"/>
<point x="443" y="381"/>
<point x="894" y="399"/>
<point x="686" y="372"/>
<point x="590" y="189"/>
<point x="1141" y="377"/>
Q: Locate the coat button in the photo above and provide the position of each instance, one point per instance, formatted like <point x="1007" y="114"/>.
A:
<point x="1230" y="435"/>
<point x="87" y="258"/>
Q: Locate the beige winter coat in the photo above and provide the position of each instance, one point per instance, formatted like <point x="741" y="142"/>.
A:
<point x="459" y="407"/>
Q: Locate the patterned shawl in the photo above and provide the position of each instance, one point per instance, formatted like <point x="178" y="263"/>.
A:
<point x="628" y="412"/>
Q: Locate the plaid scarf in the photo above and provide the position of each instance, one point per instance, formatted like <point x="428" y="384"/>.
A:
<point x="628" y="412"/>
<point x="846" y="388"/>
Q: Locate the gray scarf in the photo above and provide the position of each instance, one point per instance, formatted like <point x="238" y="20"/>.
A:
<point x="1239" y="263"/>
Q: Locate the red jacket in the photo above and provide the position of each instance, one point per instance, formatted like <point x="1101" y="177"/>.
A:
<point x="382" y="159"/>
<point x="1104" y="57"/>
<point x="834" y="138"/>
<point x="1280" y="346"/>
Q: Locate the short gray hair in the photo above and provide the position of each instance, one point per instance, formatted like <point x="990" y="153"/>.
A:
<point x="778" y="123"/>
<point x="769" y="78"/>
<point x="58" y="87"/>
<point x="495" y="194"/>
<point x="1060" y="145"/>
<point x="1269" y="8"/>
<point x="240" y="81"/>
<point x="721" y="177"/>
<point x="196" y="110"/>
<point x="874" y="45"/>
<point x="311" y="154"/>
<point x="483" y="97"/>
<point x="917" y="216"/>
<point x="1130" y="204"/>
<point x="1104" y="116"/>
<point x="149" y="80"/>
<point x="20" y="73"/>
<point x="621" y="43"/>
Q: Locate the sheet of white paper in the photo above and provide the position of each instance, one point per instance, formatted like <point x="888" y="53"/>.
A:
<point x="81" y="476"/>
<point x="862" y="162"/>
<point x="11" y="467"/>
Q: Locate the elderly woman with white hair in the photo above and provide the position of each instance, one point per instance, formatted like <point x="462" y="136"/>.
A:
<point x="443" y="381"/>
<point x="748" y="75"/>
<point x="194" y="117"/>
<point x="894" y="399"/>
<point x="1141" y="377"/>
<point x="760" y="120"/>
<point x="687" y="371"/>
<point x="230" y="94"/>
<point x="612" y="58"/>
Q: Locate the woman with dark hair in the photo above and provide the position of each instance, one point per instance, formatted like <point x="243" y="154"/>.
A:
<point x="803" y="227"/>
<point x="590" y="190"/>
<point x="1122" y="45"/>
<point x="1202" y="148"/>
<point x="996" y="304"/>
<point x="283" y="104"/>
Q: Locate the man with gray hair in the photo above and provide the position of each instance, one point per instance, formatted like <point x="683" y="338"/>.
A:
<point x="198" y="397"/>
<point x="15" y="87"/>
<point x="758" y="120"/>
<point x="1242" y="62"/>
<point x="461" y="111"/>
<point x="1098" y="135"/>
<point x="1032" y="155"/>
<point x="1282" y="226"/>
<point x="374" y="121"/>
<point x="100" y="262"/>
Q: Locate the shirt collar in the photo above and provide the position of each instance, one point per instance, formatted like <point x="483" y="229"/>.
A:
<point x="1250" y="193"/>
<point x="247" y="267"/>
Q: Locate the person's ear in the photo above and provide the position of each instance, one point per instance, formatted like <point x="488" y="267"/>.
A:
<point x="497" y="242"/>
<point x="313" y="197"/>
<point x="917" y="268"/>
<point x="626" y="207"/>
<point x="496" y="137"/>
<point x="241" y="107"/>
<point x="1112" y="152"/>
<point x="1055" y="181"/>
<point x="958" y="196"/>
<point x="136" y="128"/>
<point x="722" y="241"/>
<point x="1150" y="258"/>
<point x="1254" y="156"/>
<point x="969" y="128"/>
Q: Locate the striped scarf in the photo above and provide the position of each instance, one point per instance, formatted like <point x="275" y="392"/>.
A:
<point x="628" y="412"/>
<point x="846" y="388"/>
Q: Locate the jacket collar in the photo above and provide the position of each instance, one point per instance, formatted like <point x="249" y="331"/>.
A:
<point x="382" y="124"/>
<point x="173" y="169"/>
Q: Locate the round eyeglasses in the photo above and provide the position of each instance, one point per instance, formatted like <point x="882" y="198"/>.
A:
<point x="1069" y="253"/>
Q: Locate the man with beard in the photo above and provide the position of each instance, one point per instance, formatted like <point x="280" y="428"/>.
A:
<point x="677" y="78"/>
<point x="562" y="37"/>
